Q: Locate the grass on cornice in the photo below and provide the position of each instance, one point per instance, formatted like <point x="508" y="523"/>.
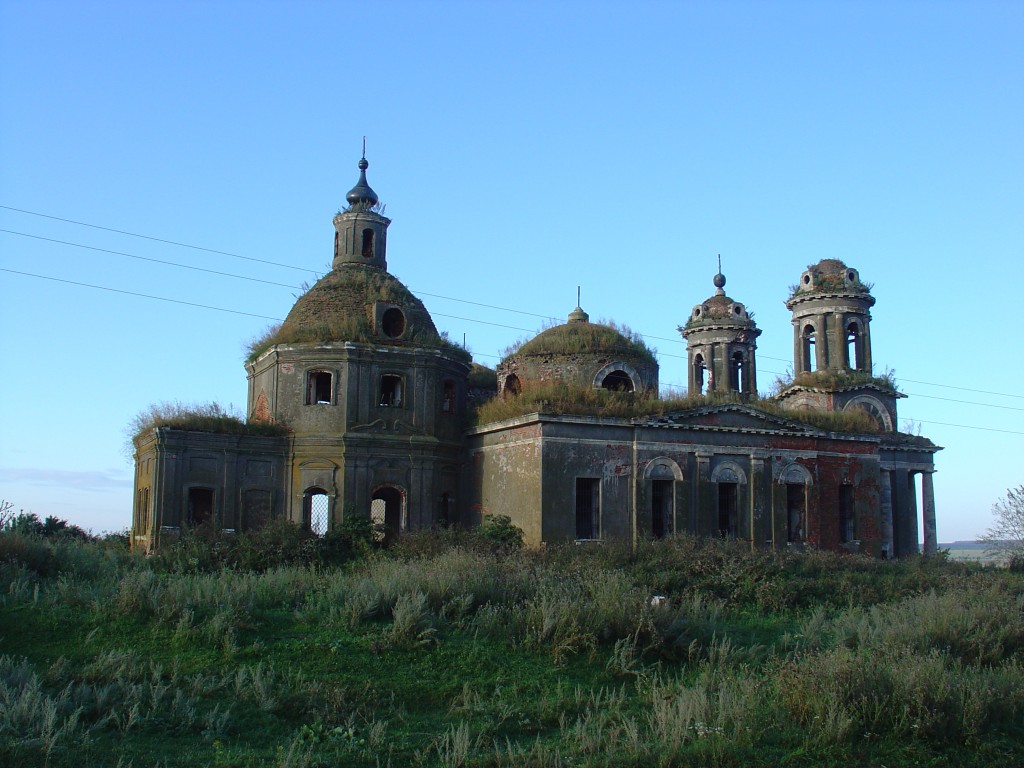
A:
<point x="561" y="399"/>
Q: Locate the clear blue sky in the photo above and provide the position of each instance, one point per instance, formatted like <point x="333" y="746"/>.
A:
<point x="522" y="148"/>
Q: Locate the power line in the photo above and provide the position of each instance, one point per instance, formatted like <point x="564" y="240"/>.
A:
<point x="142" y="295"/>
<point x="157" y="239"/>
<point x="423" y="293"/>
<point x="155" y="261"/>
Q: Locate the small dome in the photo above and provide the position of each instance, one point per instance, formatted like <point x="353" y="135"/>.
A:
<point x="830" y="276"/>
<point x="361" y="304"/>
<point x="719" y="309"/>
<point x="582" y="337"/>
<point x="584" y="354"/>
<point x="361" y="195"/>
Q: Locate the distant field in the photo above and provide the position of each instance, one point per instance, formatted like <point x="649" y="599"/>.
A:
<point x="973" y="552"/>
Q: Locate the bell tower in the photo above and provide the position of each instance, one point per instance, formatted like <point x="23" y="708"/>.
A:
<point x="831" y="320"/>
<point x="721" y="338"/>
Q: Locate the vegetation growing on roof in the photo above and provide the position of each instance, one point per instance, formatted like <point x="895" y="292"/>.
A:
<point x="563" y="399"/>
<point x="831" y="379"/>
<point x="198" y="417"/>
<point x="604" y="336"/>
<point x="829" y="282"/>
<point x="482" y="377"/>
<point x="338" y="308"/>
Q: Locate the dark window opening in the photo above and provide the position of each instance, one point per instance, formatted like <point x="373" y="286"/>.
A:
<point x="809" y="361"/>
<point x="391" y="391"/>
<point x="444" y="514"/>
<point x="588" y="507"/>
<point x="393" y="323"/>
<point x="367" y="243"/>
<point x="200" y="506"/>
<point x="846" y="517"/>
<point x="618" y="381"/>
<point x="728" y="509"/>
<point x="698" y="374"/>
<point x="661" y="508"/>
<point x="316" y="511"/>
<point x="796" y="498"/>
<point x="318" y="388"/>
<point x="512" y="386"/>
<point x="337" y="238"/>
<point x="448" y="397"/>
<point x="386" y="514"/>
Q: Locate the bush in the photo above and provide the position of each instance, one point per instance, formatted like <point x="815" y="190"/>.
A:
<point x="499" y="531"/>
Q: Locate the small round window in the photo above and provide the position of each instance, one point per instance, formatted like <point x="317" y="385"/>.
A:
<point x="393" y="323"/>
<point x="807" y="279"/>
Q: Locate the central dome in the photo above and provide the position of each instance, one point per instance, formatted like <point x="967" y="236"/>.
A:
<point x="360" y="304"/>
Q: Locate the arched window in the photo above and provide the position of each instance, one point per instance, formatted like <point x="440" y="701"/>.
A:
<point x="316" y="510"/>
<point x="387" y="514"/>
<point x="512" y="386"/>
<point x="698" y="374"/>
<point x="797" y="480"/>
<point x="854" y="349"/>
<point x="737" y="372"/>
<point x="617" y="381"/>
<point x="367" y="243"/>
<point x="809" y="363"/>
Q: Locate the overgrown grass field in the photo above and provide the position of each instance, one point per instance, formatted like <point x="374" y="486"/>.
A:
<point x="453" y="649"/>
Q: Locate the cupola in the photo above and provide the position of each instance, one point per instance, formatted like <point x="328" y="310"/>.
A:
<point x="360" y="235"/>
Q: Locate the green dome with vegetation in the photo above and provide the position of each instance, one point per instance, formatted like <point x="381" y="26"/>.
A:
<point x="343" y="306"/>
<point x="582" y="337"/>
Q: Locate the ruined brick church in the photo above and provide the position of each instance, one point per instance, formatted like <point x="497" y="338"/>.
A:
<point x="373" y="404"/>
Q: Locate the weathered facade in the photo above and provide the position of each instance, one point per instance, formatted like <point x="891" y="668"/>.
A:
<point x="374" y="403"/>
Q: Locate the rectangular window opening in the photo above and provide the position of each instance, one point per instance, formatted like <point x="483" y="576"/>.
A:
<point x="846" y="516"/>
<point x="796" y="512"/>
<point x="390" y="391"/>
<point x="728" y="509"/>
<point x="588" y="508"/>
<point x="661" y="508"/>
<point x="319" y="389"/>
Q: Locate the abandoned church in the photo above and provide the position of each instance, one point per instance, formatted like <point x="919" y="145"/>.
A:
<point x="372" y="408"/>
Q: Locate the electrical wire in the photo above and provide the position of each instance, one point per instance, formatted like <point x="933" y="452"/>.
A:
<point x="423" y="293"/>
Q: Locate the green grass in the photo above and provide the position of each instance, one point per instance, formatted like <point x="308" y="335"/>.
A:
<point x="455" y="650"/>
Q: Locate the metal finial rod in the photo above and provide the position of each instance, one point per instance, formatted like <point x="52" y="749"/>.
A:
<point x="364" y="147"/>
<point x="719" y="255"/>
<point x="578" y="296"/>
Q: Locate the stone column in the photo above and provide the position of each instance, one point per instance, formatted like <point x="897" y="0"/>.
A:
<point x="820" y="343"/>
<point x="887" y="535"/>
<point x="842" y="353"/>
<point x="931" y="545"/>
<point x="798" y="349"/>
